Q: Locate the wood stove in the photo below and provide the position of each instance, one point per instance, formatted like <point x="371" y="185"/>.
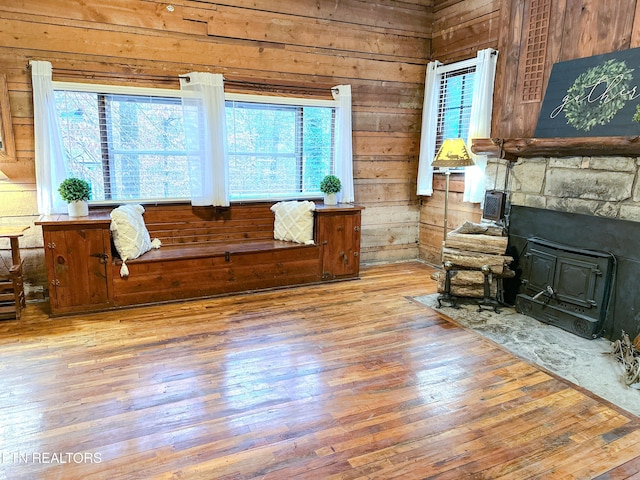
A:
<point x="565" y="286"/>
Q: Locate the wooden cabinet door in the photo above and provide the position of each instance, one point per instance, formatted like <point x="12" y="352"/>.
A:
<point x="77" y="261"/>
<point x="339" y="235"/>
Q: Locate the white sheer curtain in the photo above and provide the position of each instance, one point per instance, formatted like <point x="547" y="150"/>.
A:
<point x="428" y="133"/>
<point x="480" y="123"/>
<point x="50" y="155"/>
<point x="206" y="133"/>
<point x="343" y="151"/>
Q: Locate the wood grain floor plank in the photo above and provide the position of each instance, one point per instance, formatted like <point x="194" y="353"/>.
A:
<point x="345" y="380"/>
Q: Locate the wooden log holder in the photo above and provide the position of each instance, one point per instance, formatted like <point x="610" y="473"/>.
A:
<point x="446" y="296"/>
<point x="475" y="263"/>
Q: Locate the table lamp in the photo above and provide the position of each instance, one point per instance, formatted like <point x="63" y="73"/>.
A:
<point x="452" y="153"/>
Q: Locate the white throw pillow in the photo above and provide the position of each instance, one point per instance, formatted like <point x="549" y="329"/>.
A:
<point x="130" y="234"/>
<point x="294" y="221"/>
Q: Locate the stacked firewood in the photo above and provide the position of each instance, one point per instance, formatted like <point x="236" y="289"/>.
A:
<point x="469" y="249"/>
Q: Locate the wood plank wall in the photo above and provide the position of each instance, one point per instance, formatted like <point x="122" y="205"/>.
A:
<point x="460" y="29"/>
<point x="380" y="48"/>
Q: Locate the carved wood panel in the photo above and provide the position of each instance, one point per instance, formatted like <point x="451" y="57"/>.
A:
<point x="532" y="65"/>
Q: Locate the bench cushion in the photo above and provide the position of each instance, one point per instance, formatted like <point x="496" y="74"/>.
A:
<point x="130" y="235"/>
<point x="294" y="221"/>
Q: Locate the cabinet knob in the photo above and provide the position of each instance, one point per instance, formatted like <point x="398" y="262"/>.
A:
<point x="356" y="229"/>
<point x="102" y="256"/>
<point x="55" y="283"/>
<point x="51" y="245"/>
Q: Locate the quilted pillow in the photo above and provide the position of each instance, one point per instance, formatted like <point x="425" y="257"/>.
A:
<point x="130" y="234"/>
<point x="294" y="221"/>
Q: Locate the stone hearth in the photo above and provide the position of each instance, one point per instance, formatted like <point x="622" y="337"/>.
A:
<point x="586" y="363"/>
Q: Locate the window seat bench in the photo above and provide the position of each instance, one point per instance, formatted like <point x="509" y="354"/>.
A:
<point x="205" y="252"/>
<point x="193" y="271"/>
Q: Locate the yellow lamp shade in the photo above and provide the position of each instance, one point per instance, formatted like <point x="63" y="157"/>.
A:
<point x="453" y="153"/>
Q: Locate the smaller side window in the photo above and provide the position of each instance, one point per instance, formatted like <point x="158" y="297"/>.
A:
<point x="454" y="104"/>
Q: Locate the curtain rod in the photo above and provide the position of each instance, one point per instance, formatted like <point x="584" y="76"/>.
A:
<point x="273" y="87"/>
<point x="238" y="83"/>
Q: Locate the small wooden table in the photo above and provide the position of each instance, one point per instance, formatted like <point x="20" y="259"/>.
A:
<point x="12" y="299"/>
<point x="13" y="232"/>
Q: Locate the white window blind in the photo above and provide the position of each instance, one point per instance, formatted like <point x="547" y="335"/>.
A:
<point x="454" y="105"/>
<point x="129" y="143"/>
<point x="128" y="147"/>
<point x="458" y="103"/>
<point x="278" y="151"/>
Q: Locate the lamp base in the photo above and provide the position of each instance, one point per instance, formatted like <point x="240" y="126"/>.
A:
<point x="447" y="175"/>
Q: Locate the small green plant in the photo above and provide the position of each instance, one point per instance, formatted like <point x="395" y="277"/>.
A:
<point x="330" y="184"/>
<point x="74" y="189"/>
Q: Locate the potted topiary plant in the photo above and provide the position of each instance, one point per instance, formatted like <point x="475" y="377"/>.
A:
<point x="76" y="192"/>
<point x="330" y="186"/>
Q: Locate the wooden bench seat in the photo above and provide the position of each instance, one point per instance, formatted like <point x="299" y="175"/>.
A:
<point x="205" y="252"/>
<point x="202" y="250"/>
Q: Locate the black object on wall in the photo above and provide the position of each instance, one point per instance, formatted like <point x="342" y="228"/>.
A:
<point x="494" y="205"/>
<point x="619" y="238"/>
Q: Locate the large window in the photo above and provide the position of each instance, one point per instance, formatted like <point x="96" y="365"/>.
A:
<point x="127" y="147"/>
<point x="278" y="150"/>
<point x="130" y="144"/>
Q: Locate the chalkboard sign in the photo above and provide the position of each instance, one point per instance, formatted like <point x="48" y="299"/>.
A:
<point x="593" y="97"/>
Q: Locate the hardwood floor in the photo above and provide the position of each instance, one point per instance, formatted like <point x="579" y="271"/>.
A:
<point x="349" y="380"/>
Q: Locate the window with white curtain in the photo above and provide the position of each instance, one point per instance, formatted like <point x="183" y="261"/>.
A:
<point x="129" y="143"/>
<point x="458" y="102"/>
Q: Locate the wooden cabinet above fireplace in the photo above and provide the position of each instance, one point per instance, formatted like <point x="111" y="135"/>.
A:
<point x="513" y="148"/>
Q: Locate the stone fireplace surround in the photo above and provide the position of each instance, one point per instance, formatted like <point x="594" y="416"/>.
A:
<point x="589" y="202"/>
